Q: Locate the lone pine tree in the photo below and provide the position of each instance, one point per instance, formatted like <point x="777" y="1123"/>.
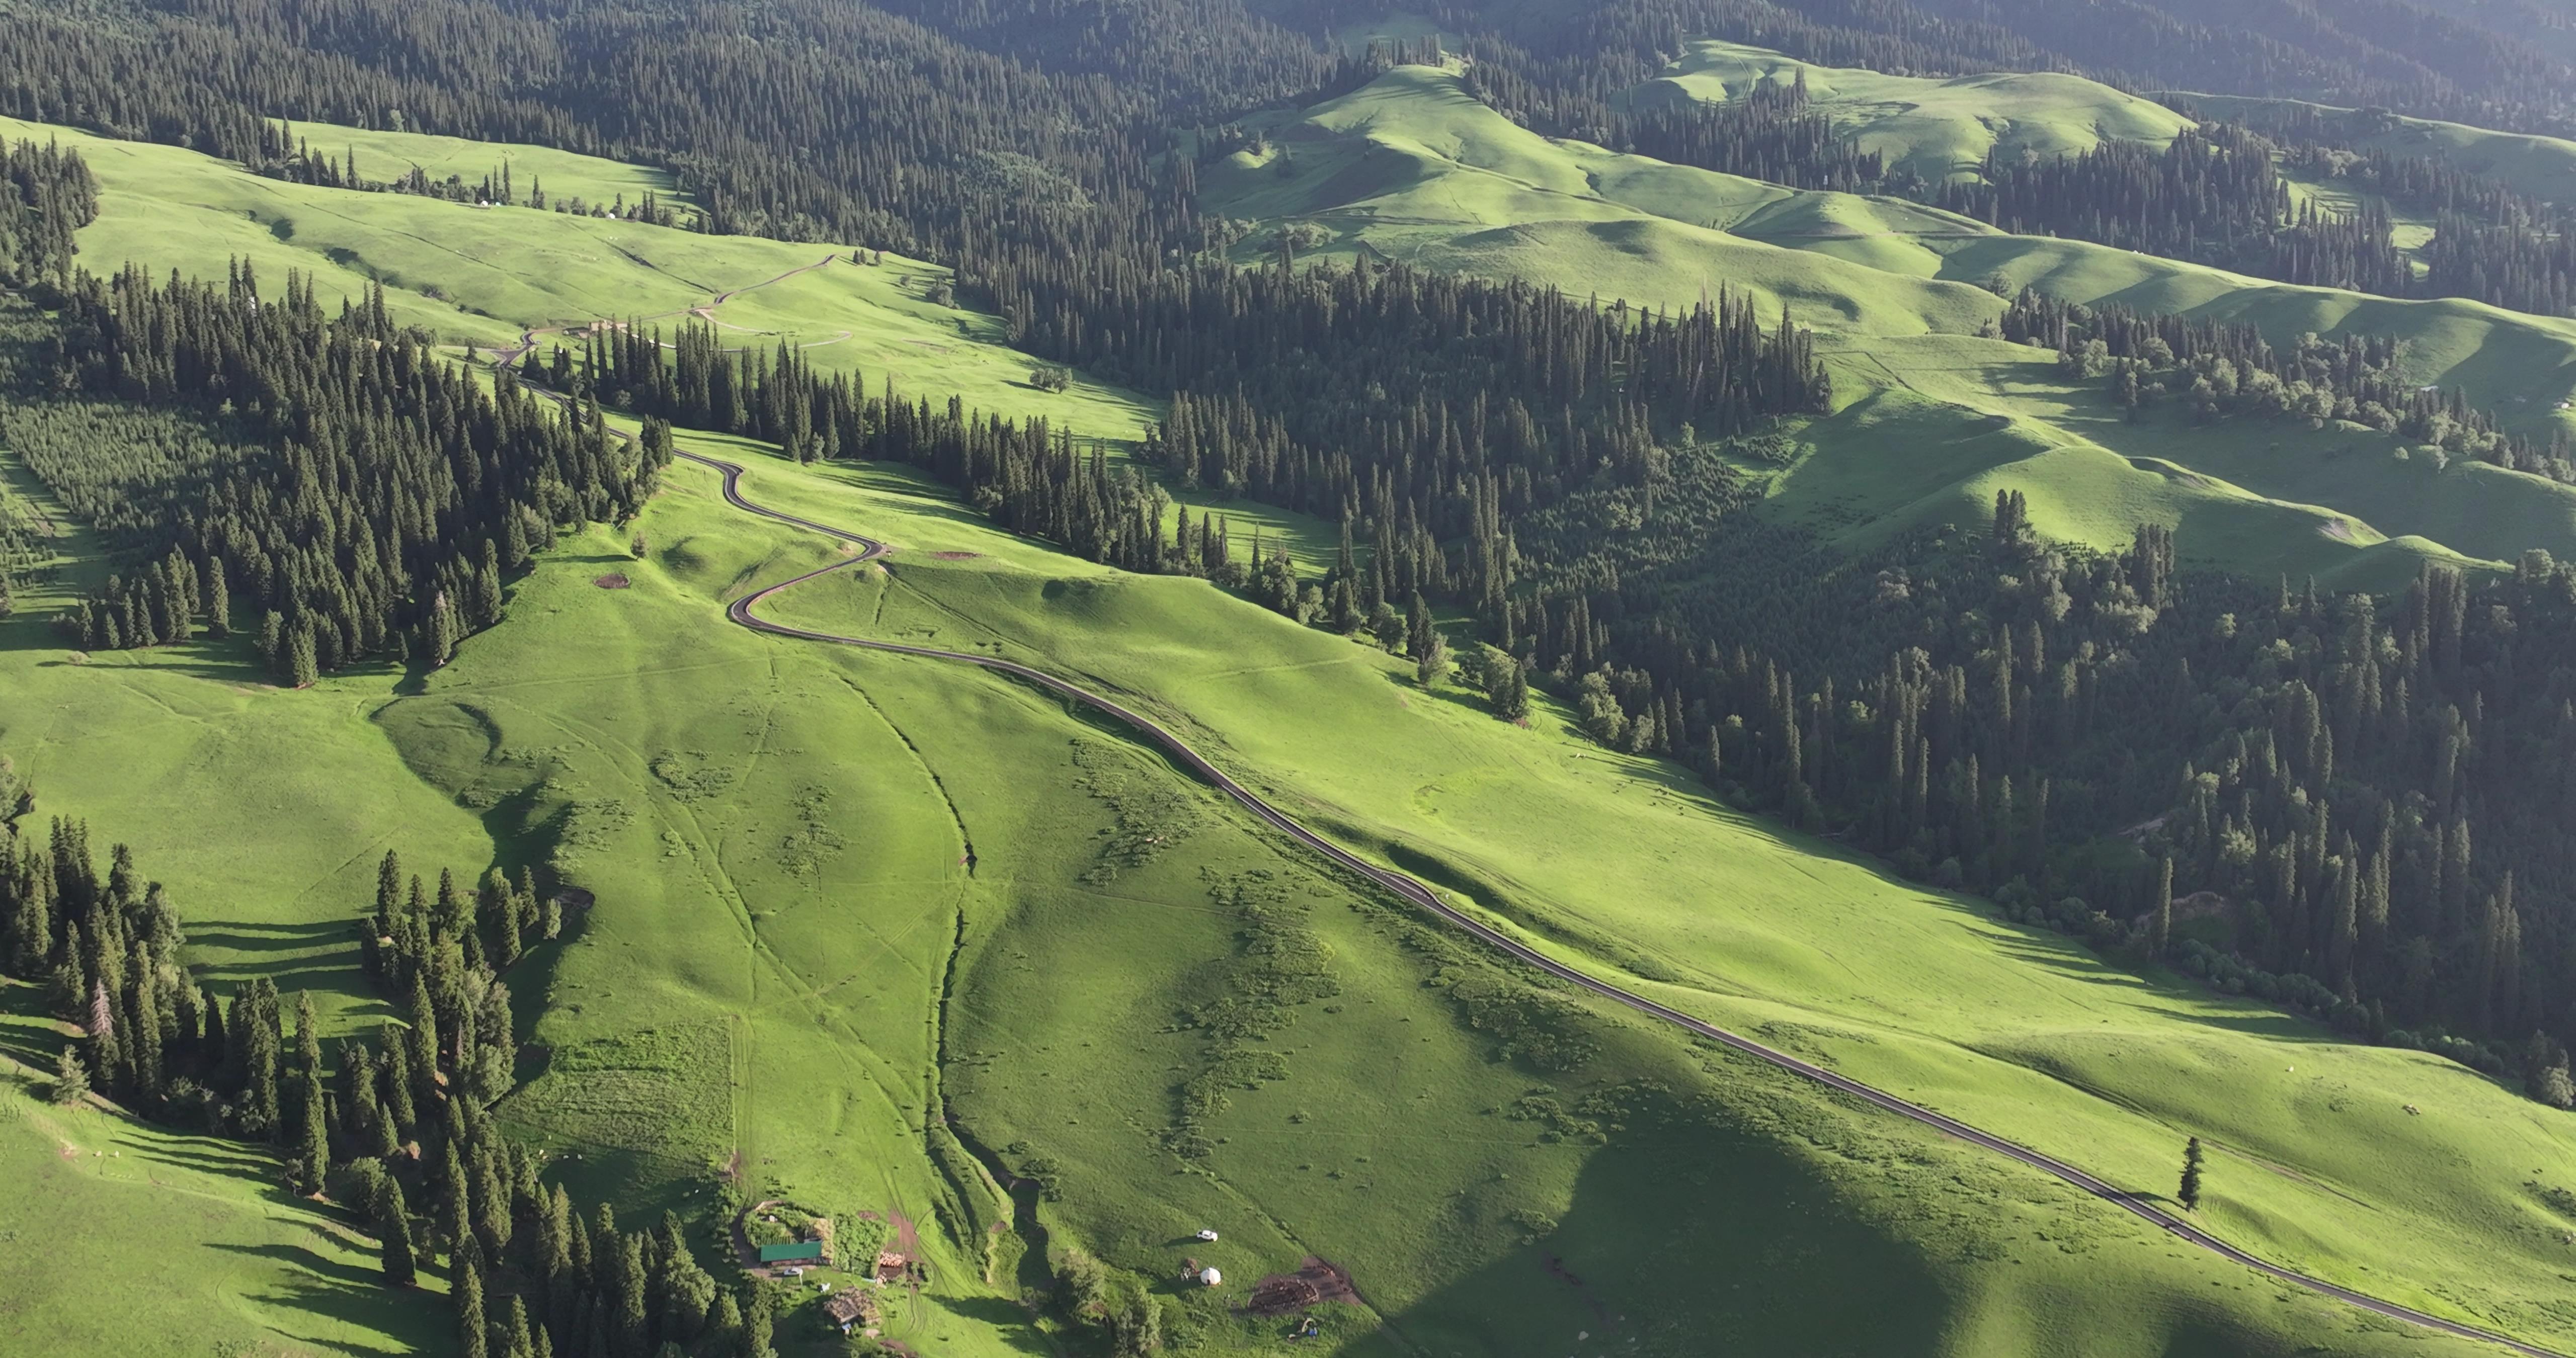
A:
<point x="71" y="1078"/>
<point x="2191" y="1162"/>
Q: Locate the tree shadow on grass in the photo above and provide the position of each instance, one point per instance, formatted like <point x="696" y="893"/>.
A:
<point x="252" y="936"/>
<point x="1702" y="1231"/>
<point x="326" y="977"/>
<point x="354" y="1297"/>
<point x="29" y="1034"/>
<point x="1452" y="691"/>
<point x="232" y="1166"/>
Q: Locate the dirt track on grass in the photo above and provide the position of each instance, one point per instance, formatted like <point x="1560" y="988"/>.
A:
<point x="1413" y="891"/>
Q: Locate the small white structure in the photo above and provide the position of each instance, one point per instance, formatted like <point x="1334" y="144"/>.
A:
<point x="1207" y="1235"/>
<point x="1211" y="1277"/>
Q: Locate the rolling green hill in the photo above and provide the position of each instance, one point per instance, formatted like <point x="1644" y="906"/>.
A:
<point x="872" y="932"/>
<point x="499" y="273"/>
<point x="1932" y="420"/>
<point x="2544" y="167"/>
<point x="1936" y="127"/>
<point x="1625" y="865"/>
<point x="774" y="834"/>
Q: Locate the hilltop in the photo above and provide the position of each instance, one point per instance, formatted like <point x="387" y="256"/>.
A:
<point x="1411" y="168"/>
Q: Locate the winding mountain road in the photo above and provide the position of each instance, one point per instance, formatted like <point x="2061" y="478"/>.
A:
<point x="740" y="611"/>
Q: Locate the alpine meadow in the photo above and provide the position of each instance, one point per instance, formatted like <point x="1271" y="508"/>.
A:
<point x="1090" y="678"/>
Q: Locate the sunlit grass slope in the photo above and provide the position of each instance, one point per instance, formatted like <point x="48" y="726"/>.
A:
<point x="843" y="899"/>
<point x="119" y="1237"/>
<point x="777" y="876"/>
<point x="1412" y="167"/>
<point x="384" y="156"/>
<point x="792" y="969"/>
<point x="1930" y="421"/>
<point x="2544" y="167"/>
<point x="1935" y="126"/>
<point x="1626" y="866"/>
<point x="498" y="272"/>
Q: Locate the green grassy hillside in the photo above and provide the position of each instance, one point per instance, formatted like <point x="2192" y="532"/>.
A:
<point x="120" y="1237"/>
<point x="385" y="156"/>
<point x="774" y="833"/>
<point x="1625" y="865"/>
<point x="1930" y="420"/>
<point x="868" y="927"/>
<point x="1935" y="126"/>
<point x="482" y="278"/>
<point x="2544" y="167"/>
<point x="1412" y="167"/>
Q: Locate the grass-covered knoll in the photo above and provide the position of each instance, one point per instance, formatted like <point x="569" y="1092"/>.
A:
<point x="1413" y="167"/>
<point x="1627" y="866"/>
<point x="483" y="276"/>
<point x="120" y="1237"/>
<point x="792" y="969"/>
<point x="1932" y="422"/>
<point x="2544" y="167"/>
<point x="1935" y="126"/>
<point x="1947" y="421"/>
<point x="385" y="156"/>
<point x="780" y="839"/>
<point x="777" y="877"/>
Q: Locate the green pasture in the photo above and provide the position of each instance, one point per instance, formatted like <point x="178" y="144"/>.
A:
<point x="120" y="1237"/>
<point x="504" y="271"/>
<point x="499" y="272"/>
<point x="869" y="927"/>
<point x="1937" y="126"/>
<point x="384" y="156"/>
<point x="790" y="963"/>
<point x="1412" y="167"/>
<point x="1930" y="422"/>
<point x="2544" y="167"/>
<point x="1626" y="866"/>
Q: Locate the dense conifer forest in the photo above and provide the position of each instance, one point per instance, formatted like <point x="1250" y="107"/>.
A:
<point x="323" y="480"/>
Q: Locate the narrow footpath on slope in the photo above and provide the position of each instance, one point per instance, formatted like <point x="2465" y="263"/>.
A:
<point x="1413" y="891"/>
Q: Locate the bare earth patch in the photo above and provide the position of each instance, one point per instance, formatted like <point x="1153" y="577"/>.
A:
<point x="1316" y="1281"/>
<point x="613" y="580"/>
<point x="955" y="556"/>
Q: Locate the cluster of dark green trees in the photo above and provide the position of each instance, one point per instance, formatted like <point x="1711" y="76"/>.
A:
<point x="806" y="120"/>
<point x="1768" y="134"/>
<point x="2215" y="195"/>
<point x="2325" y="802"/>
<point x="1030" y="477"/>
<point x="107" y="951"/>
<point x="1423" y="411"/>
<point x="527" y="1275"/>
<point x="363" y="497"/>
<point x="48" y="195"/>
<point x="2216" y="368"/>
<point x="284" y="155"/>
<point x="2489" y="65"/>
<point x="2218" y="195"/>
<point x="394" y="1127"/>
